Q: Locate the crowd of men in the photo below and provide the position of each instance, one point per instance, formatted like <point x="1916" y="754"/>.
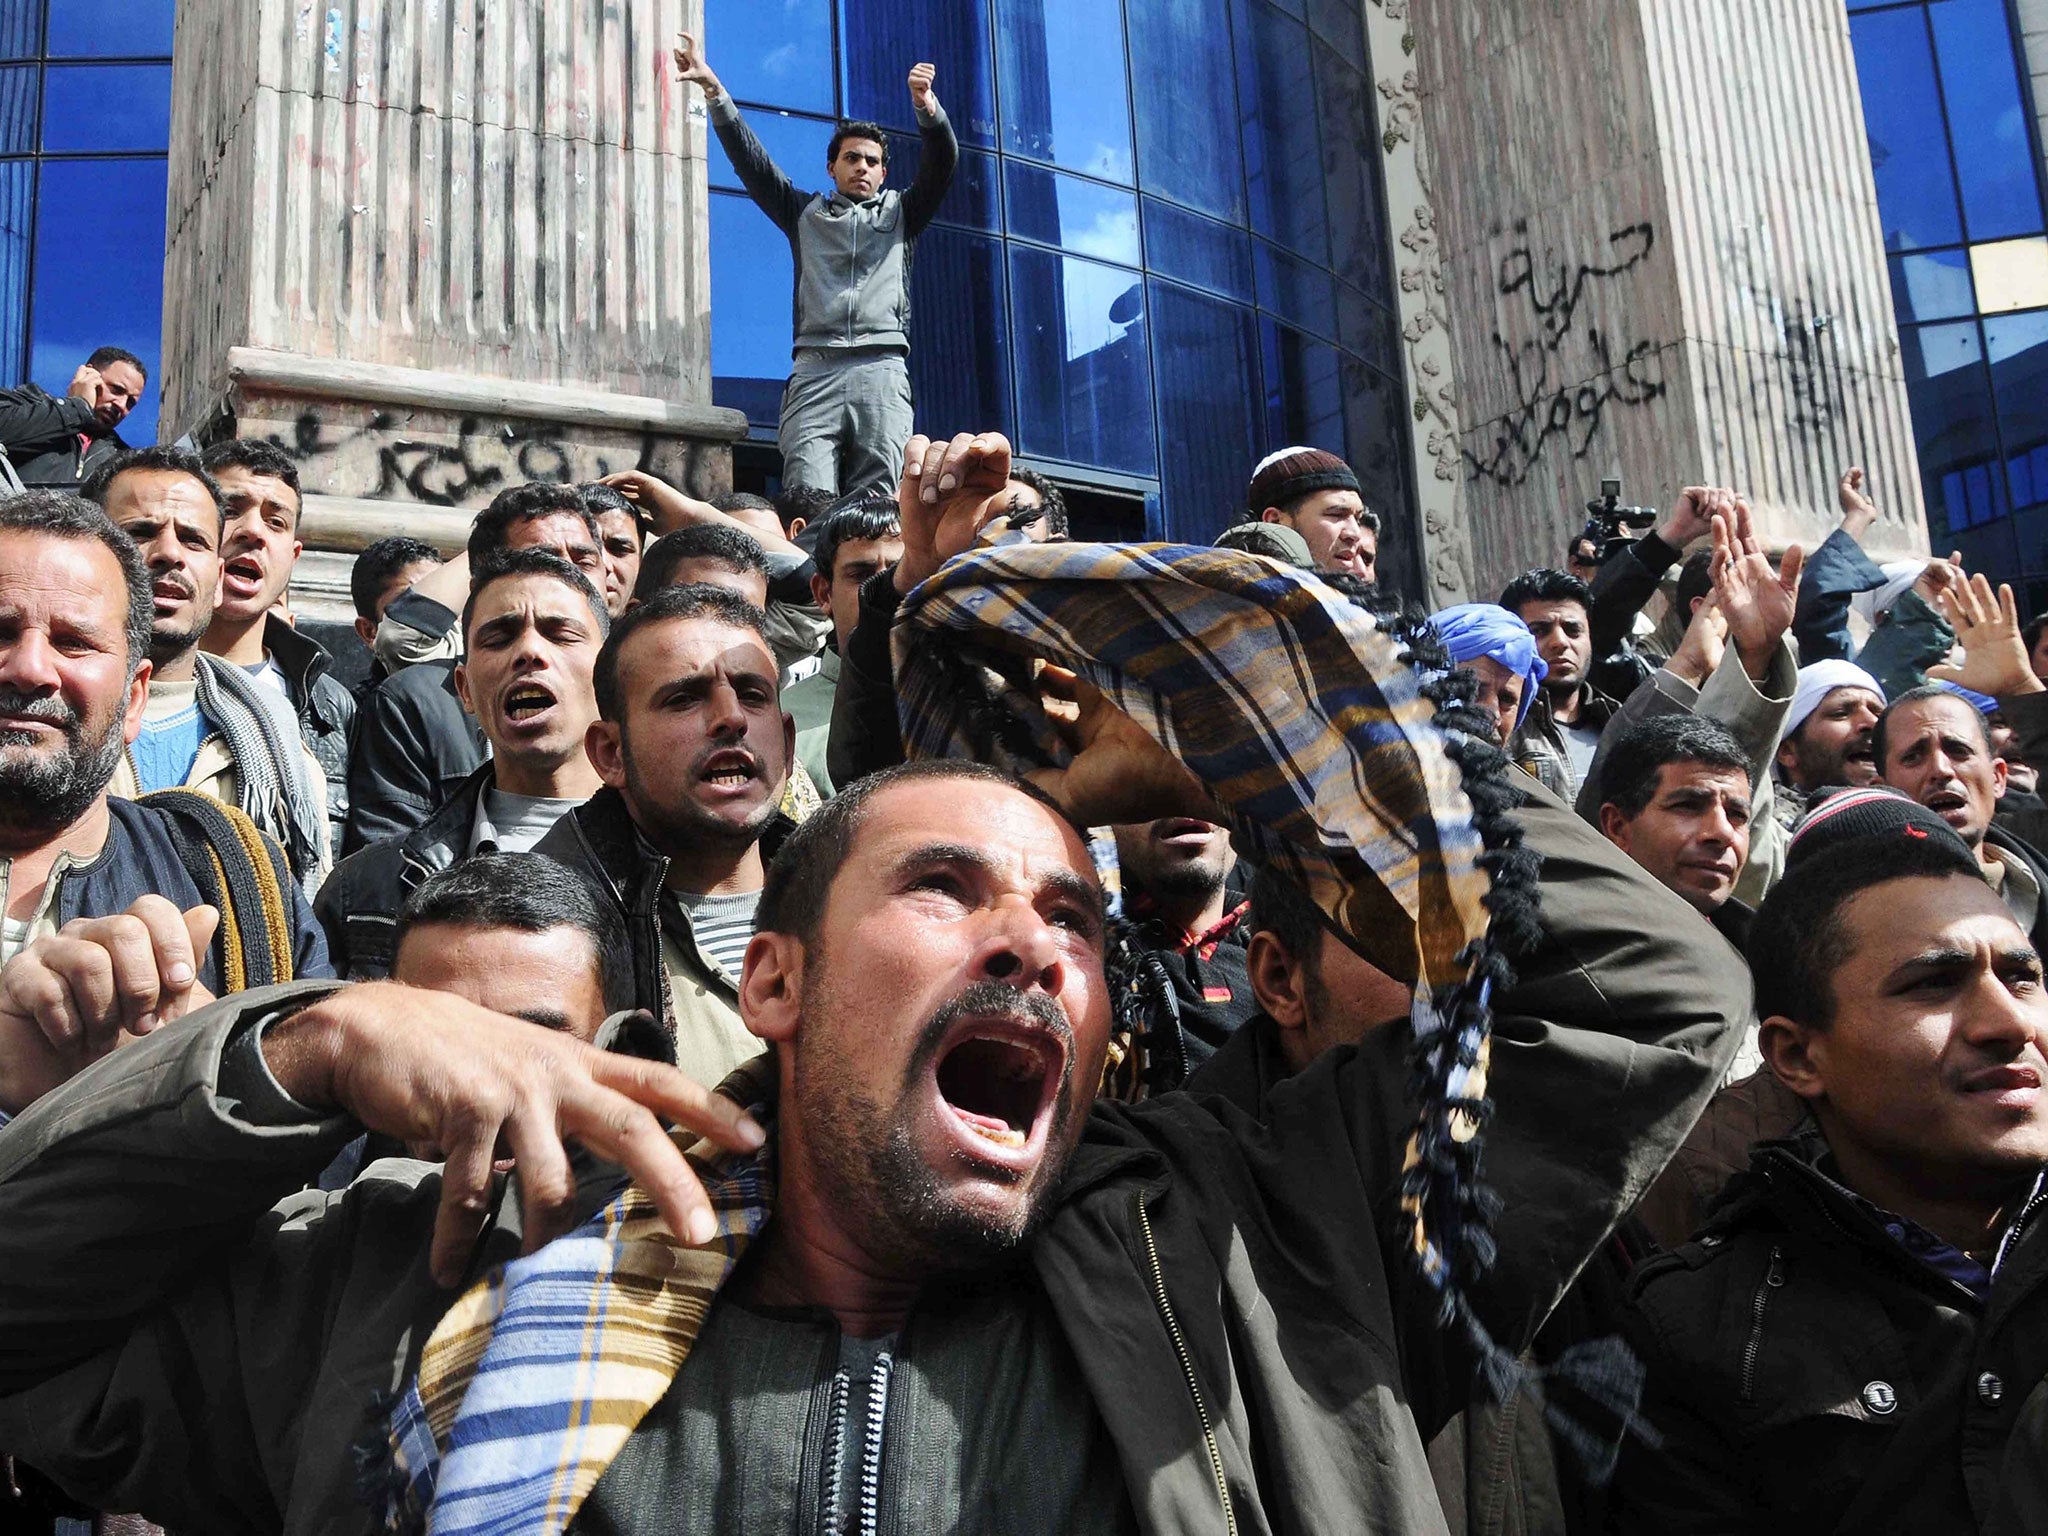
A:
<point x="608" y="1073"/>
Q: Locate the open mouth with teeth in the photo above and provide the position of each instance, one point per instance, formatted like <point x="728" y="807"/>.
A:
<point x="999" y="1086"/>
<point x="1947" y="802"/>
<point x="243" y="576"/>
<point x="526" y="701"/>
<point x="729" y="770"/>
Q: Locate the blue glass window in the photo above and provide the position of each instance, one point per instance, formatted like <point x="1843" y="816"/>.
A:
<point x="1061" y="66"/>
<point x="1377" y="436"/>
<point x="1339" y="23"/>
<point x="1083" y="375"/>
<point x="1081" y="216"/>
<point x="1935" y="286"/>
<point x="17" y="218"/>
<point x="1184" y="103"/>
<point x="751" y="286"/>
<point x="1304" y="389"/>
<point x="1367" y="329"/>
<point x="972" y="197"/>
<point x="797" y="144"/>
<point x="135" y="29"/>
<point x="1283" y="164"/>
<point x="107" y="107"/>
<point x="1208" y="356"/>
<point x="1987" y="118"/>
<point x="1952" y="418"/>
<point x="776" y="51"/>
<point x="2017" y="348"/>
<point x="1191" y="249"/>
<point x="1351" y="175"/>
<point x="1916" y="192"/>
<point x="1295" y="291"/>
<point x="21" y="29"/>
<point x="18" y="110"/>
<point x="91" y="291"/>
<point x="879" y="52"/>
<point x="960" y="335"/>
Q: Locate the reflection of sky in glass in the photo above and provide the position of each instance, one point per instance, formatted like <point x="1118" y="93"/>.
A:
<point x="1063" y="90"/>
<point x="109" y="28"/>
<point x="92" y="291"/>
<point x="1092" y="292"/>
<point x="776" y="51"/>
<point x="1902" y="114"/>
<point x="106" y="106"/>
<point x="1081" y="216"/>
<point x="797" y="144"/>
<point x="1932" y="287"/>
<point x="1943" y="349"/>
<point x="1974" y="41"/>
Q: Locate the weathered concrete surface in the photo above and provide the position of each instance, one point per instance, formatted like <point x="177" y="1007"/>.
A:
<point x="1662" y="259"/>
<point x="506" y="192"/>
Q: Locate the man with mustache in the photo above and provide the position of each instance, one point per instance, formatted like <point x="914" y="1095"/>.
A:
<point x="208" y="725"/>
<point x="531" y="633"/>
<point x="59" y="443"/>
<point x="1176" y="876"/>
<point x="695" y="751"/>
<point x="259" y="548"/>
<point x="76" y="620"/>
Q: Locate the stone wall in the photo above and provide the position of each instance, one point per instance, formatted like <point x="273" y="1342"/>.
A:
<point x="1662" y="260"/>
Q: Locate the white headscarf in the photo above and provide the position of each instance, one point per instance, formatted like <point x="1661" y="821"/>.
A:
<point x="1816" y="682"/>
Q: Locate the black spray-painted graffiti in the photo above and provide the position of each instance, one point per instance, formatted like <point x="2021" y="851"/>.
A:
<point x="1549" y="406"/>
<point x="475" y="460"/>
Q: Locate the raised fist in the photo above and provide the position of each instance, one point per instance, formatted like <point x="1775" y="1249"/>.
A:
<point x="921" y="77"/>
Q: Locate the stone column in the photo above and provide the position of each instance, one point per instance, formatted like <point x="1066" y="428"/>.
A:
<point x="1662" y="259"/>
<point x="436" y="247"/>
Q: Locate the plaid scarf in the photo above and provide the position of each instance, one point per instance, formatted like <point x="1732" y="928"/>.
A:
<point x="532" y="1382"/>
<point x="263" y="739"/>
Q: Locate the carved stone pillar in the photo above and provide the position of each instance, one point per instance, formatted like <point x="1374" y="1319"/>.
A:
<point x="1661" y="259"/>
<point x="435" y="247"/>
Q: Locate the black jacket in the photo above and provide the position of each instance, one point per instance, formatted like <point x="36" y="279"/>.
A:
<point x="141" y="859"/>
<point x="359" y="904"/>
<point x="600" y="839"/>
<point x="326" y="708"/>
<point x="1808" y="1373"/>
<point x="865" y="736"/>
<point x="414" y="746"/>
<point x="41" y="435"/>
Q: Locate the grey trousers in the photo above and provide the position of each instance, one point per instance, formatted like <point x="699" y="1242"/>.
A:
<point x="845" y="419"/>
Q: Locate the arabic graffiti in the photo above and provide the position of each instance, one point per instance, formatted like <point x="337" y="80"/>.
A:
<point x="1566" y="376"/>
<point x="464" y="460"/>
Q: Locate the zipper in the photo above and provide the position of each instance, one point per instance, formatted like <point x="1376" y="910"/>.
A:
<point x="2012" y="1231"/>
<point x="871" y="1446"/>
<point x="1774" y="1278"/>
<point x="835" y="1446"/>
<point x="1187" y="1366"/>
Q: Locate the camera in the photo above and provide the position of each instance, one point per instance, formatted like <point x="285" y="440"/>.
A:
<point x="1611" y="526"/>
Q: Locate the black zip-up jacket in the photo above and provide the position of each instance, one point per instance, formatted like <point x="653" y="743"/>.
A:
<point x="600" y="839"/>
<point x="41" y="435"/>
<point x="1809" y="1374"/>
<point x="359" y="904"/>
<point x="414" y="745"/>
<point x="326" y="708"/>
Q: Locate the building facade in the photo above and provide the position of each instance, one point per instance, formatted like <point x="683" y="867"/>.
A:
<point x="1185" y="232"/>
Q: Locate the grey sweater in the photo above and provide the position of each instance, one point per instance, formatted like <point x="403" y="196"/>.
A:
<point x="852" y="259"/>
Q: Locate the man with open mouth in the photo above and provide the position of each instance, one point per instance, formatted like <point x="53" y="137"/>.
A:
<point x="531" y="634"/>
<point x="209" y="725"/>
<point x="259" y="549"/>
<point x="930" y="1284"/>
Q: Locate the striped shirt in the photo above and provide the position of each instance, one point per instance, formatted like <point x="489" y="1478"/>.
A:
<point x="722" y="926"/>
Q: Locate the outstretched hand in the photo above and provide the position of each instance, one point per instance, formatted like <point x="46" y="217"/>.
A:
<point x="949" y="492"/>
<point x="1756" y="598"/>
<point x="69" y="999"/>
<point x="431" y="1067"/>
<point x="1858" y="510"/>
<point x="1995" y="658"/>
<point x="691" y="68"/>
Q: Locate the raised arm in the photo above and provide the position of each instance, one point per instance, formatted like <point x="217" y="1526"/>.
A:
<point x="940" y="154"/>
<point x="1629" y="580"/>
<point x="766" y="183"/>
<point x="29" y="418"/>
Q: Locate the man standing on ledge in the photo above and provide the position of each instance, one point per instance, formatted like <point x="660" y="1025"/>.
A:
<point x="846" y="413"/>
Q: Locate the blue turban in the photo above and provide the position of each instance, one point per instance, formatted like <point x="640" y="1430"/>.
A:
<point x="1487" y="629"/>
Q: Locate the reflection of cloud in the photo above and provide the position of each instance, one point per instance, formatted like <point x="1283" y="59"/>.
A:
<point x="1090" y="291"/>
<point x="2011" y="126"/>
<point x="1113" y="236"/>
<point x="776" y="63"/>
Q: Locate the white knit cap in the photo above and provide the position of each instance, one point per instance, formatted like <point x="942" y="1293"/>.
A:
<point x="1817" y="682"/>
<point x="1899" y="575"/>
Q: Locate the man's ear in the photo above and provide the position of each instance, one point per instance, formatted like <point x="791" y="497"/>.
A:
<point x="821" y="591"/>
<point x="366" y="630"/>
<point x="1999" y="773"/>
<point x="1787" y="760"/>
<point x="604" y="745"/>
<point x="137" y="701"/>
<point x="462" y="687"/>
<point x="1275" y="515"/>
<point x="1279" y="981"/>
<point x="1614" y="825"/>
<point x="772" y="986"/>
<point x="1796" y="1053"/>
